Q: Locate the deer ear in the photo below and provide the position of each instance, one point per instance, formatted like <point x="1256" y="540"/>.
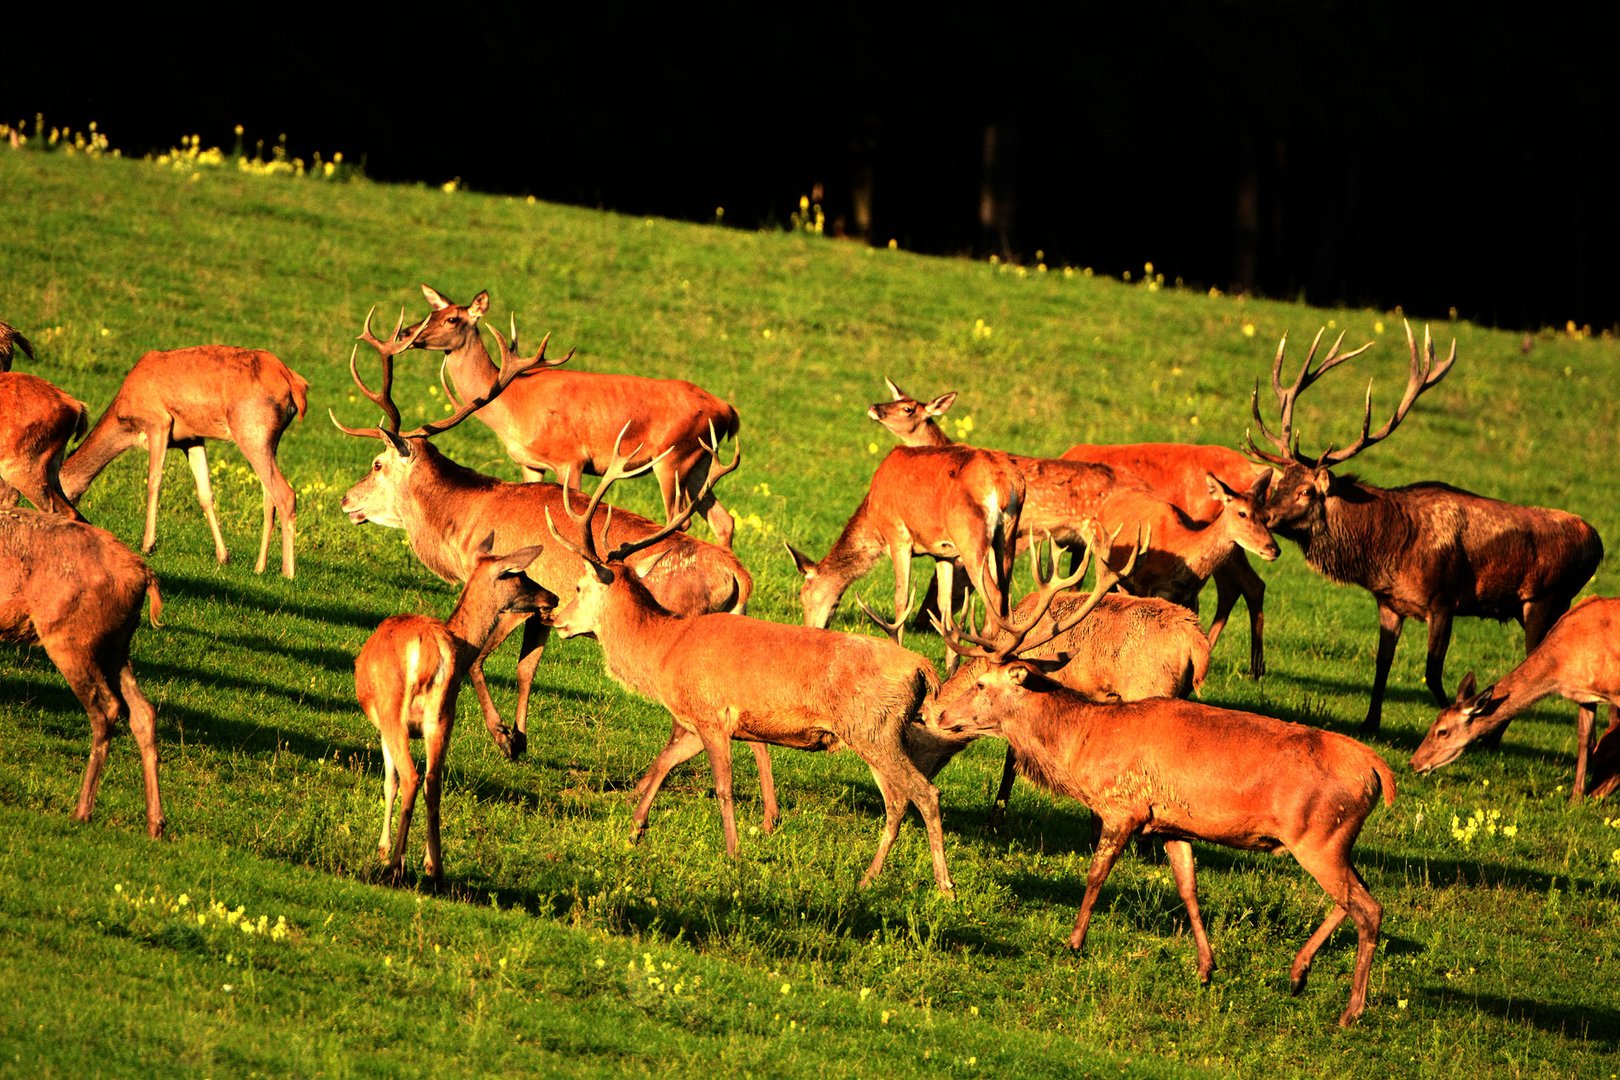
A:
<point x="1262" y="484"/>
<point x="479" y="306"/>
<point x="895" y="393"/>
<point x="941" y="403"/>
<point x="486" y="546"/>
<point x="1323" y="480"/>
<point x="402" y="447"/>
<point x="805" y="565"/>
<point x="435" y="299"/>
<point x="519" y="560"/>
<point x="1218" y="489"/>
<point x="1465" y="689"/>
<point x="603" y="574"/>
<point x="1020" y="672"/>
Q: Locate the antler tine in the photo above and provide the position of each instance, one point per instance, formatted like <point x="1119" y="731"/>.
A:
<point x="384" y="398"/>
<point x="1285" y="438"/>
<point x="444" y="383"/>
<point x="511" y="367"/>
<point x="896" y="628"/>
<point x="1107" y="578"/>
<point x="1423" y="374"/>
<point x="717" y="469"/>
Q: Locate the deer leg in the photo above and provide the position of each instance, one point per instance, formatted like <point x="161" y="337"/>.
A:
<point x="53" y="487"/>
<point x="1236" y="577"/>
<point x="1181" y="864"/>
<point x="1332" y="870"/>
<point x="945" y="577"/>
<point x="143" y="725"/>
<point x="767" y="786"/>
<point x="1585" y="722"/>
<point x="197" y="458"/>
<point x="90" y="686"/>
<point x="278" y="497"/>
<point x="1389" y="632"/>
<point x="157" y="441"/>
<point x="1009" y="773"/>
<point x="390" y="786"/>
<point x="1605" y="763"/>
<point x="436" y="743"/>
<point x="399" y="741"/>
<point x="683" y="745"/>
<point x="900" y="555"/>
<point x="1109" y="845"/>
<point x="718" y="746"/>
<point x="1439" y="642"/>
<point x="505" y="741"/>
<point x="925" y="796"/>
<point x="1539" y="616"/>
<point x="535" y="635"/>
<point x="894" y="811"/>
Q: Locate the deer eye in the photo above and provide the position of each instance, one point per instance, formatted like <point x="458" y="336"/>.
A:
<point x="909" y="409"/>
<point x="1441" y="733"/>
<point x="376" y="466"/>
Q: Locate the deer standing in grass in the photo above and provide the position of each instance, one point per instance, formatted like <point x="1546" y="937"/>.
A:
<point x="408" y="677"/>
<point x="953" y="503"/>
<point x="446" y="510"/>
<point x="76" y="591"/>
<point x="1578" y="659"/>
<point x="1184" y="771"/>
<point x="1426" y="551"/>
<point x="1177" y="472"/>
<point x="37" y="421"/>
<point x="566" y="421"/>
<point x="180" y="398"/>
<point x="730" y="677"/>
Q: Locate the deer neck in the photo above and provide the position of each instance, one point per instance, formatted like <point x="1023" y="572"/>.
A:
<point x="475" y="374"/>
<point x="470" y="625"/>
<point x="1055" y="737"/>
<point x="929" y="434"/>
<point x="858" y="548"/>
<point x="438" y="520"/>
<point x="635" y="633"/>
<point x="1359" y="524"/>
<point x="109" y="438"/>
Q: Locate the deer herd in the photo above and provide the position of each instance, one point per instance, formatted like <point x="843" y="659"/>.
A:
<point x="1090" y="692"/>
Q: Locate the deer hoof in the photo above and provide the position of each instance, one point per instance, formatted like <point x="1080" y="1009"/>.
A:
<point x="517" y="743"/>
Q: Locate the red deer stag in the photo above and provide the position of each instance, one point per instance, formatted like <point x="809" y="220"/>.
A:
<point x="728" y="677"/>
<point x="180" y="398"/>
<point x="36" y="423"/>
<point x="408" y="676"/>
<point x="1185" y="771"/>
<point x="1183" y="552"/>
<point x="954" y="503"/>
<point x="10" y="341"/>
<point x="446" y="510"/>
<point x="1426" y="551"/>
<point x="1176" y="472"/>
<point x="1579" y="659"/>
<point x="76" y="591"/>
<point x="566" y="421"/>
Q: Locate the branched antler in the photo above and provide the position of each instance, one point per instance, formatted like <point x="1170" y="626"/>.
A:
<point x="512" y="366"/>
<point x="383" y="398"/>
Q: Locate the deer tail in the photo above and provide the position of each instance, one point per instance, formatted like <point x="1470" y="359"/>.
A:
<point x="1386" y="777"/>
<point x="155" y="598"/>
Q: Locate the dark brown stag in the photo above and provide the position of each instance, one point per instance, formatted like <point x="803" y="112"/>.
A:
<point x="1425" y="551"/>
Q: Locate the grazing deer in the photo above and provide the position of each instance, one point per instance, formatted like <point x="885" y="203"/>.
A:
<point x="566" y="421"/>
<point x="180" y="398"/>
<point x="1579" y="659"/>
<point x="1184" y="551"/>
<point x="76" y="591"/>
<point x="408" y="676"/>
<point x="447" y="509"/>
<point x="36" y="423"/>
<point x="1177" y="471"/>
<point x="953" y="503"/>
<point x="730" y="677"/>
<point x="10" y="341"/>
<point x="1184" y="771"/>
<point x="1426" y="551"/>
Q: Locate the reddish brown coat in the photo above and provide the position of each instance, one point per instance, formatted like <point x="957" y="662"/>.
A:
<point x="37" y="421"/>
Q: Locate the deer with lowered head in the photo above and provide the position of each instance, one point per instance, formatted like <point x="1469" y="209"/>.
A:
<point x="566" y="421"/>
<point x="1183" y="771"/>
<point x="1183" y="552"/>
<point x="408" y="677"/>
<point x="731" y="677"/>
<point x="446" y="511"/>
<point x="1578" y="659"/>
<point x="1426" y="551"/>
<point x="37" y="421"/>
<point x="74" y="590"/>
<point x="181" y="397"/>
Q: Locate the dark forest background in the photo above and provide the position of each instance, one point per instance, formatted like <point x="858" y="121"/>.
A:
<point x="1375" y="153"/>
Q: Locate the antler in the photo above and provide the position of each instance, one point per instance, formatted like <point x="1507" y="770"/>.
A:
<point x="1425" y="373"/>
<point x="386" y="350"/>
<point x="512" y="366"/>
<point x="1010" y="637"/>
<point x="893" y="628"/>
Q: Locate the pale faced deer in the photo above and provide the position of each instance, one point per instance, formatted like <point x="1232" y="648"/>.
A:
<point x="10" y="341"/>
<point x="408" y="676"/>
<point x="77" y="592"/>
<point x="954" y="503"/>
<point x="446" y="510"/>
<point x="729" y="677"/>
<point x="1578" y="659"/>
<point x="1177" y="471"/>
<point x="180" y="398"/>
<point x="1426" y="551"/>
<point x="36" y="423"/>
<point x="1186" y="771"/>
<point x="1184" y="551"/>
<point x="566" y="421"/>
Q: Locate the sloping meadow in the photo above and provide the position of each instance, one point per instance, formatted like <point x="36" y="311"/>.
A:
<point x="259" y="934"/>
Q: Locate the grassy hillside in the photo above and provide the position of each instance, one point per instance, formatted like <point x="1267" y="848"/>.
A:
<point x="559" y="947"/>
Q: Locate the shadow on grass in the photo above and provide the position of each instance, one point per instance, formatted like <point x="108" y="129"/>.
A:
<point x="200" y="589"/>
<point x="1594" y="1023"/>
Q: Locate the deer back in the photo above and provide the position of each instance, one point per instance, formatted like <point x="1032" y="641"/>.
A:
<point x="1174" y="470"/>
<point x="48" y="566"/>
<point x="949" y="499"/>
<point x="199" y="389"/>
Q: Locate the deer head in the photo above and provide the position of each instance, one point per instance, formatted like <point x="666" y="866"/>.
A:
<point x="905" y="416"/>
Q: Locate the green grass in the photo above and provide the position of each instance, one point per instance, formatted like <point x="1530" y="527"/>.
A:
<point x="1500" y="954"/>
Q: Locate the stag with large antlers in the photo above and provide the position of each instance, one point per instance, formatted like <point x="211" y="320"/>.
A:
<point x="565" y="421"/>
<point x="1063" y="492"/>
<point x="1426" y="551"/>
<point x="1183" y="771"/>
<point x="446" y="511"/>
<point x="726" y="678"/>
<point x="181" y="397"/>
